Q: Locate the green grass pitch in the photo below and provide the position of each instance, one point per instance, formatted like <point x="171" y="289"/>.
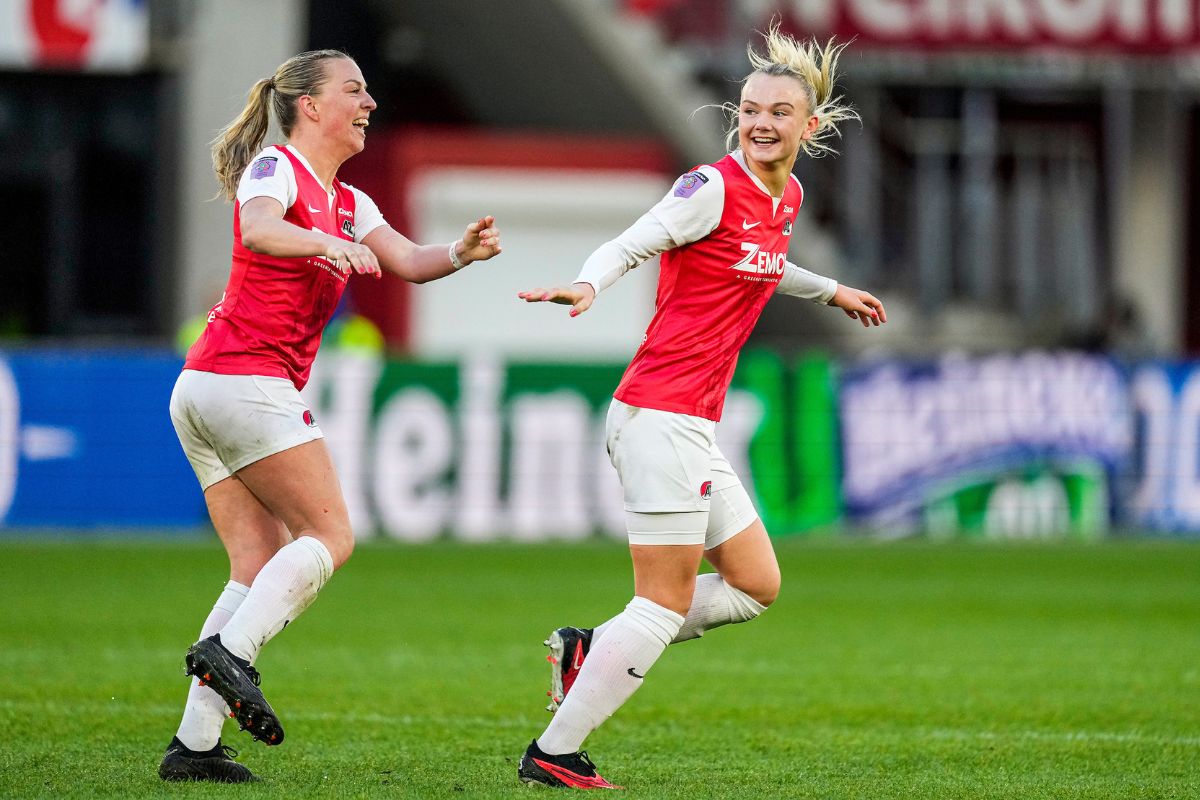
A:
<point x="897" y="671"/>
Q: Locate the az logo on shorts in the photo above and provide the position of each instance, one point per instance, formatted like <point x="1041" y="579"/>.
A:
<point x="706" y="490"/>
<point x="309" y="419"/>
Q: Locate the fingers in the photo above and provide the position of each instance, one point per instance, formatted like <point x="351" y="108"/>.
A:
<point x="356" y="258"/>
<point x="581" y="305"/>
<point x="858" y="315"/>
<point x="535" y="296"/>
<point x="876" y="306"/>
<point x="477" y="228"/>
<point x="559" y="295"/>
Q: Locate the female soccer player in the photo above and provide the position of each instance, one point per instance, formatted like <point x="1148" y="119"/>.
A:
<point x="267" y="475"/>
<point x="723" y="232"/>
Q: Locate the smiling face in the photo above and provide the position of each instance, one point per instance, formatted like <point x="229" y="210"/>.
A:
<point x="774" y="119"/>
<point x="341" y="109"/>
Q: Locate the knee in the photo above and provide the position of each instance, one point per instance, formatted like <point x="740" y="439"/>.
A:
<point x="339" y="541"/>
<point x="340" y="547"/>
<point x="673" y="597"/>
<point x="768" y="593"/>
<point x="764" y="589"/>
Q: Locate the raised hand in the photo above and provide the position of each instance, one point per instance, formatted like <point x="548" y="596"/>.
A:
<point x="481" y="241"/>
<point x="859" y="305"/>
<point x="578" y="295"/>
<point x="348" y="256"/>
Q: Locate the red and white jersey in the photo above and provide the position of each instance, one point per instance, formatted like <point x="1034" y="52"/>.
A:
<point x="269" y="320"/>
<point x="711" y="287"/>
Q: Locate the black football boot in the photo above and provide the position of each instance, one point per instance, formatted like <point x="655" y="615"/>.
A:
<point x="237" y="682"/>
<point x="216" y="765"/>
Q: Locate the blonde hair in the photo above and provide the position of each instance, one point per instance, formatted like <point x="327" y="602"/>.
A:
<point x="816" y="69"/>
<point x="239" y="141"/>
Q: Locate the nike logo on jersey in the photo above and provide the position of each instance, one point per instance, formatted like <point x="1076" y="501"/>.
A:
<point x="759" y="262"/>
<point x="314" y="210"/>
<point x="634" y="674"/>
<point x="748" y="225"/>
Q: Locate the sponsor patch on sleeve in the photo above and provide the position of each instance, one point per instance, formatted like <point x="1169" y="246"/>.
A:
<point x="689" y="184"/>
<point x="263" y="168"/>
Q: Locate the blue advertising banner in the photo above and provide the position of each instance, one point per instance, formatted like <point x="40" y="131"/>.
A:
<point x="86" y="441"/>
<point x="1009" y="446"/>
<point x="1165" y="492"/>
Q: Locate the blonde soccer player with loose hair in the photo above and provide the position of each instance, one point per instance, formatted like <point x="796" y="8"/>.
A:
<point x="723" y="232"/>
<point x="268" y="479"/>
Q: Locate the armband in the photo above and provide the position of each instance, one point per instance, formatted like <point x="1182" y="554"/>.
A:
<point x="454" y="259"/>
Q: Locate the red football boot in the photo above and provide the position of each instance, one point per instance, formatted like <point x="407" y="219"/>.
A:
<point x="569" y="770"/>
<point x="568" y="650"/>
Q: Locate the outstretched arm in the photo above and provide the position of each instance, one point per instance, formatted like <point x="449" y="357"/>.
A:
<point x="860" y="305"/>
<point x="641" y="242"/>
<point x="689" y="212"/>
<point x="423" y="263"/>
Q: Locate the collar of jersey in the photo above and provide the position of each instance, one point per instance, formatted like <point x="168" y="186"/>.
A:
<point x="740" y="158"/>
<point x="308" y="167"/>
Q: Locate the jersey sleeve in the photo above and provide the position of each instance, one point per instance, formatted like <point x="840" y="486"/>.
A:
<point x="641" y="242"/>
<point x="693" y="207"/>
<point x="367" y="216"/>
<point x="799" y="282"/>
<point x="270" y="174"/>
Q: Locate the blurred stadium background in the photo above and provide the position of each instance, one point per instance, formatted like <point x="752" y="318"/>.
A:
<point x="1022" y="194"/>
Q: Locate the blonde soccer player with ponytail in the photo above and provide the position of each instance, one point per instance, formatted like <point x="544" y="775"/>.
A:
<point x="268" y="479"/>
<point x="723" y="232"/>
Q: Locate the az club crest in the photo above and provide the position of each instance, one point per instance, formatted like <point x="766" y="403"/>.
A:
<point x="787" y="228"/>
<point x="309" y="419"/>
<point x="348" y="229"/>
<point x="706" y="490"/>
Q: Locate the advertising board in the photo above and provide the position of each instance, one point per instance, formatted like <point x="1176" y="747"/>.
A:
<point x="1005" y="446"/>
<point x="1010" y="446"/>
<point x="485" y="449"/>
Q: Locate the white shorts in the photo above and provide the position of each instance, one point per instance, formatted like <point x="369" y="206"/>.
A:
<point x="225" y="422"/>
<point x="669" y="463"/>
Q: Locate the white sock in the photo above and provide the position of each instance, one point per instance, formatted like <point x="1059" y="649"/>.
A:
<point x="205" y="711"/>
<point x="285" y="586"/>
<point x="715" y="603"/>
<point x="613" y="671"/>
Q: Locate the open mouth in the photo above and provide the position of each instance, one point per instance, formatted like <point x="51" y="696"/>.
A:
<point x="762" y="141"/>
<point x="361" y="124"/>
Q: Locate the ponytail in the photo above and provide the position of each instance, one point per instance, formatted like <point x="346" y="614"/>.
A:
<point x="816" y="68"/>
<point x="239" y="141"/>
